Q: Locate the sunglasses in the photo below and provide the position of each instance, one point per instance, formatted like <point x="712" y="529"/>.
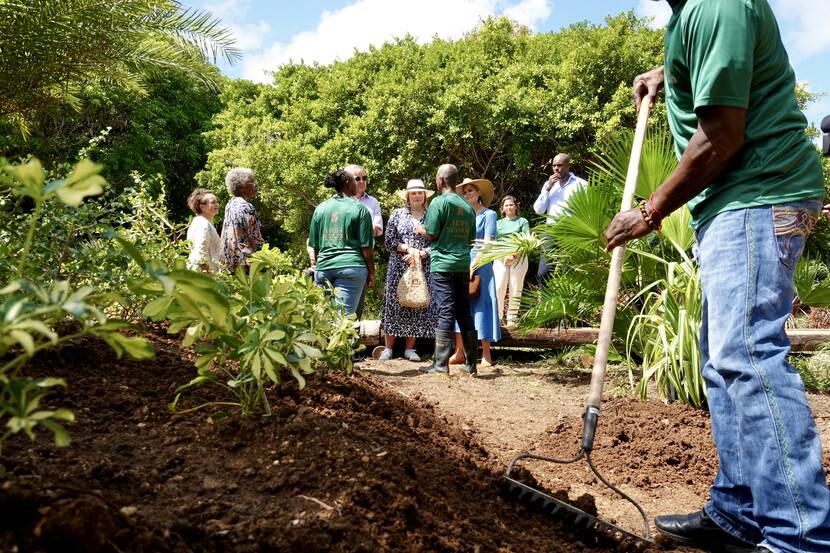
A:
<point x="362" y="178"/>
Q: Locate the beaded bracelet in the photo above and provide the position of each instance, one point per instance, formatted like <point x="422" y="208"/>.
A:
<point x="653" y="224"/>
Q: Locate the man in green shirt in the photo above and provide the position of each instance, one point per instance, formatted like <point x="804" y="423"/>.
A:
<point x="451" y="226"/>
<point x="753" y="183"/>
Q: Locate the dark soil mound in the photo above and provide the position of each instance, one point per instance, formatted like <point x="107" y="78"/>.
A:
<point x="345" y="465"/>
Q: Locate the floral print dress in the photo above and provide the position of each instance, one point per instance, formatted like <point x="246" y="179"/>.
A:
<point x="396" y="319"/>
<point x="241" y="232"/>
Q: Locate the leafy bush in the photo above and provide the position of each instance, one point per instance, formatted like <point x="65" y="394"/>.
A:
<point x="37" y="315"/>
<point x="251" y="330"/>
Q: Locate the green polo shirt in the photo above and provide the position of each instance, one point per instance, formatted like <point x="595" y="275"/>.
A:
<point x="340" y="228"/>
<point x="505" y="226"/>
<point x="453" y="222"/>
<point x="729" y="53"/>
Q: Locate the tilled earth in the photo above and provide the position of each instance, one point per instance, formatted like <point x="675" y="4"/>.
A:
<point x="366" y="462"/>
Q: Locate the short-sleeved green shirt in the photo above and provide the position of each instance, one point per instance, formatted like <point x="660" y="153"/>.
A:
<point x="505" y="226"/>
<point x="729" y="53"/>
<point x="340" y="228"/>
<point x="451" y="219"/>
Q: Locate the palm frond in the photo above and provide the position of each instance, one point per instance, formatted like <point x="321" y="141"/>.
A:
<point x="812" y="282"/>
<point x="520" y="243"/>
<point x="562" y="298"/>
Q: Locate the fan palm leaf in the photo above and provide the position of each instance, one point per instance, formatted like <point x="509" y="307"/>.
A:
<point x="50" y="47"/>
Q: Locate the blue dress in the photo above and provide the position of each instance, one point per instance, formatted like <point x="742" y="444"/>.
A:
<point x="485" y="308"/>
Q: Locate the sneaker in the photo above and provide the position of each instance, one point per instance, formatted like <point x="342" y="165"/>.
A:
<point x="385" y="355"/>
<point x="410" y="355"/>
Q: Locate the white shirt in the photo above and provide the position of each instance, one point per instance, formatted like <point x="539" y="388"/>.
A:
<point x="205" y="244"/>
<point x="374" y="209"/>
<point x="552" y="202"/>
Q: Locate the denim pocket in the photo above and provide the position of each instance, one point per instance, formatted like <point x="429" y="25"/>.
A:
<point x="792" y="224"/>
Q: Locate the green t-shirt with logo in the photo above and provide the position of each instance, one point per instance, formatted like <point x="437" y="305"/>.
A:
<point x="729" y="53"/>
<point x="340" y="228"/>
<point x="451" y="219"/>
<point x="505" y="226"/>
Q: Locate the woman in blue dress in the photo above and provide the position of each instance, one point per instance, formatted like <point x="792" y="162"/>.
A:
<point x="479" y="193"/>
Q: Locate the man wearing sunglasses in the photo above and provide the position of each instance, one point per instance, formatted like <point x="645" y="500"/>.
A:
<point x="359" y="174"/>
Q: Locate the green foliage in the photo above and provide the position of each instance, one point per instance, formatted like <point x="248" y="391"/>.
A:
<point x="665" y="335"/>
<point x="498" y="103"/>
<point x="812" y="282"/>
<point x="159" y="133"/>
<point x="814" y="369"/>
<point x="265" y="323"/>
<point x="49" y="49"/>
<point x="37" y="314"/>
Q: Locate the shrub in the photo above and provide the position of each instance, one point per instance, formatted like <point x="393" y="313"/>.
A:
<point x="37" y="314"/>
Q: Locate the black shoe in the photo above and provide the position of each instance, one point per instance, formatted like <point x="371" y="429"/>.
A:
<point x="698" y="530"/>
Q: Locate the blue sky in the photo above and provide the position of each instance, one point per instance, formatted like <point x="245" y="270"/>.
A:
<point x="273" y="32"/>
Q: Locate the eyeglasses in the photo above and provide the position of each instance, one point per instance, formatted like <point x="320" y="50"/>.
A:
<point x="363" y="178"/>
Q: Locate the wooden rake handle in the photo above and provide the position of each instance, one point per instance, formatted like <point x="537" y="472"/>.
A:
<point x="612" y="288"/>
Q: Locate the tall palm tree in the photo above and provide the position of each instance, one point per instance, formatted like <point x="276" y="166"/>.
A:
<point x="49" y="48"/>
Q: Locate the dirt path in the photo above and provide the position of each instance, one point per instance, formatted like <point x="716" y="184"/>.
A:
<point x="662" y="455"/>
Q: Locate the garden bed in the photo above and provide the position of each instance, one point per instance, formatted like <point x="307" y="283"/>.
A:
<point x="368" y="462"/>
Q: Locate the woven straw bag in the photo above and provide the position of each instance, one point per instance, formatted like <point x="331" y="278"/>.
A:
<point x="412" y="289"/>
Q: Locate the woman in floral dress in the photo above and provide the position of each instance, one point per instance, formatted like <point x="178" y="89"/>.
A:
<point x="403" y="245"/>
<point x="241" y="232"/>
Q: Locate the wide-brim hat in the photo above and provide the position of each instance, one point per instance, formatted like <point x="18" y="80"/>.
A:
<point x="485" y="187"/>
<point x="414" y="185"/>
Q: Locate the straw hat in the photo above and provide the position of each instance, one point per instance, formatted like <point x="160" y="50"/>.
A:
<point x="414" y="185"/>
<point x="485" y="187"/>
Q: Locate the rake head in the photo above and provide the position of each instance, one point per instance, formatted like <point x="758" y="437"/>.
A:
<point x="577" y="520"/>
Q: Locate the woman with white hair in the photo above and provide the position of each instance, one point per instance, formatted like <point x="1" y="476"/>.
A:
<point x="404" y="246"/>
<point x="241" y="231"/>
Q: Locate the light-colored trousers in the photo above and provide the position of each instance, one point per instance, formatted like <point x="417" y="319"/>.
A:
<point x="514" y="277"/>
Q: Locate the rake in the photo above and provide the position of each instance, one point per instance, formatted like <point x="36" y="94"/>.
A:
<point x="539" y="500"/>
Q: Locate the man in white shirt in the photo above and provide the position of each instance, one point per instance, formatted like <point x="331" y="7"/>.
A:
<point x="554" y="196"/>
<point x="359" y="174"/>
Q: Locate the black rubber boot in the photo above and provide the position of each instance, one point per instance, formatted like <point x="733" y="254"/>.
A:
<point x="444" y="340"/>
<point x="470" y="339"/>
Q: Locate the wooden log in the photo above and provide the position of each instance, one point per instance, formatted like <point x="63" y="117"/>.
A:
<point x="801" y="339"/>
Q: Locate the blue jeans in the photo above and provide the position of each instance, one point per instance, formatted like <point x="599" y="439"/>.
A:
<point x="451" y="300"/>
<point x="348" y="282"/>
<point x="771" y="487"/>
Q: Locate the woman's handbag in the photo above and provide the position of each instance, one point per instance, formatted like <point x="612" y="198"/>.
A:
<point x="475" y="286"/>
<point x="412" y="289"/>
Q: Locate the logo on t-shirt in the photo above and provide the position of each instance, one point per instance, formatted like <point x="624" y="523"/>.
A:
<point x="459" y="211"/>
<point x="334" y="217"/>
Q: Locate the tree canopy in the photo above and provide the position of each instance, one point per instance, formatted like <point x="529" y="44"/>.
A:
<point x="499" y="103"/>
<point x="51" y="48"/>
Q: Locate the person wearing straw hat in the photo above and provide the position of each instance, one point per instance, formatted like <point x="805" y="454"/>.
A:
<point x="404" y="246"/>
<point x="752" y="182"/>
<point x="485" y="307"/>
<point x="451" y="227"/>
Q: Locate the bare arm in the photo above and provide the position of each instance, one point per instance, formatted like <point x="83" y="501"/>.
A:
<point x="369" y="258"/>
<point x="719" y="136"/>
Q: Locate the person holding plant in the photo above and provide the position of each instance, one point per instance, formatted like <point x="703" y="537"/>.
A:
<point x="205" y="244"/>
<point x="753" y="183"/>
<point x="450" y="226"/>
<point x="340" y="242"/>
<point x="241" y="230"/>
<point x="485" y="307"/>
<point x="511" y="270"/>
<point x="404" y="246"/>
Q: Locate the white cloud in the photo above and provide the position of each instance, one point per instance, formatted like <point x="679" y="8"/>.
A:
<point x="373" y="22"/>
<point x="233" y="13"/>
<point x="529" y="12"/>
<point x="806" y="24"/>
<point x="660" y="11"/>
